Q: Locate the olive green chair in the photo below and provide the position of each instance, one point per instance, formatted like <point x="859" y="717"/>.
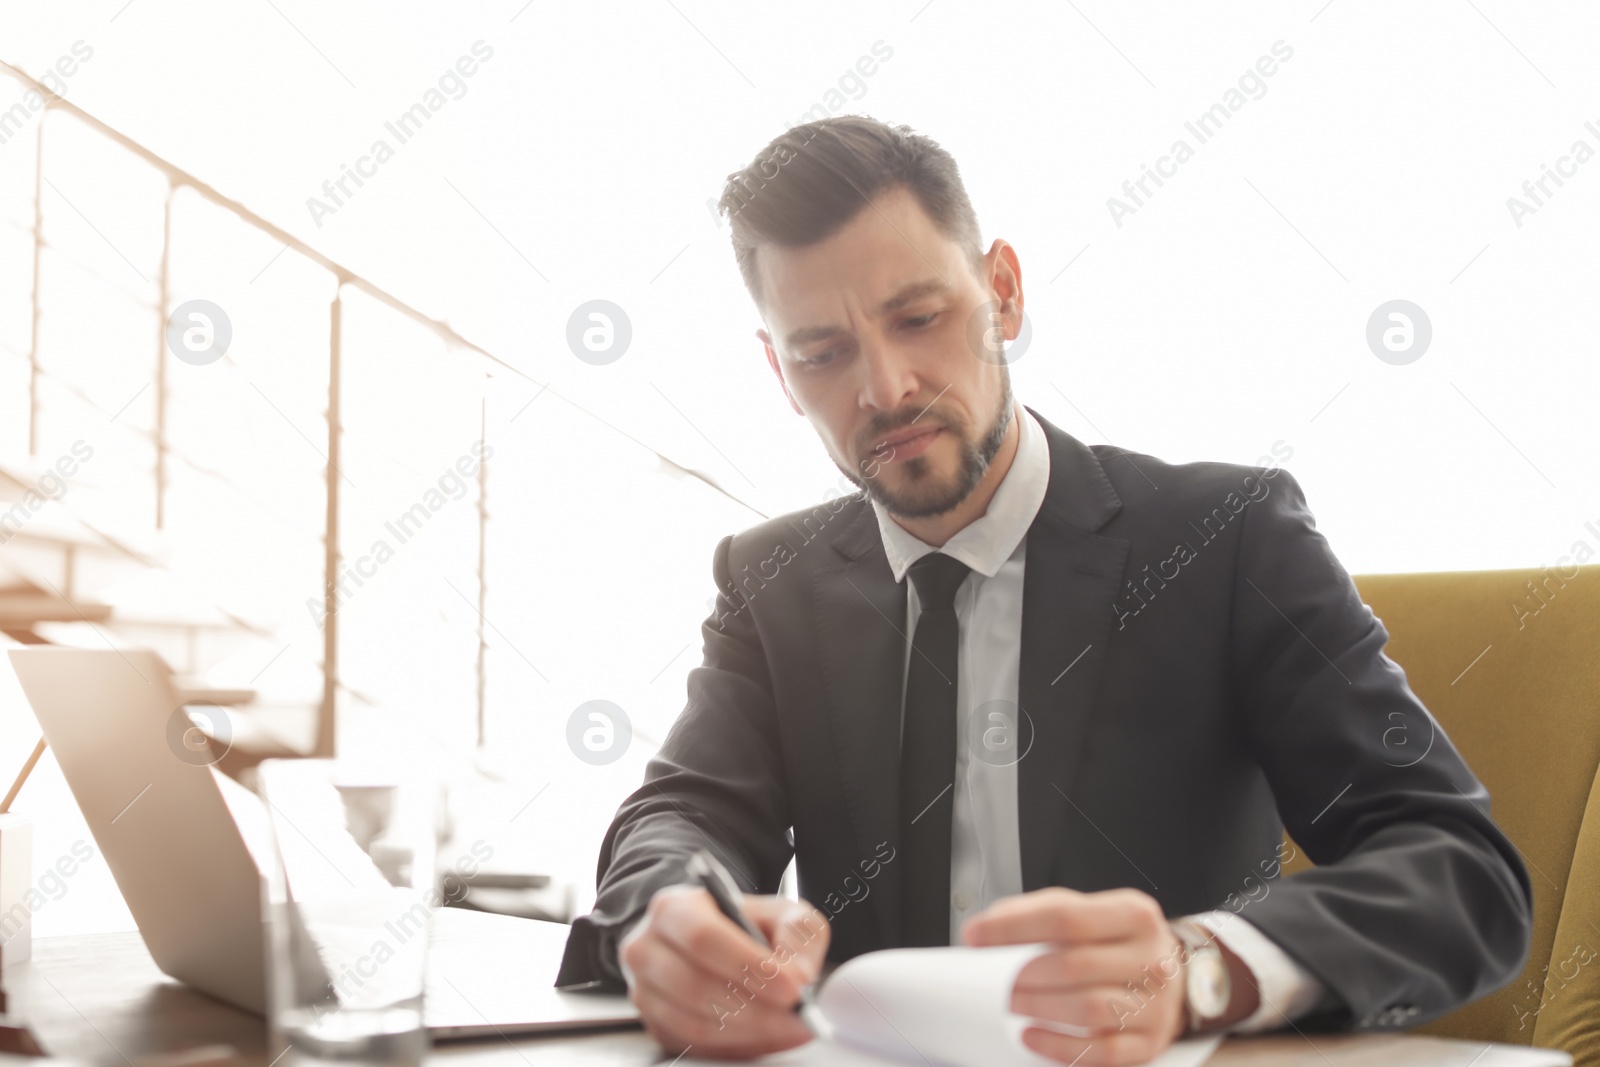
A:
<point x="1509" y="663"/>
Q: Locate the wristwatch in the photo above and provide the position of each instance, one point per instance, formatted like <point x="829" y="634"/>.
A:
<point x="1207" y="984"/>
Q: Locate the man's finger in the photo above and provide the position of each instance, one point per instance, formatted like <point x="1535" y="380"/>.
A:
<point x="672" y="1009"/>
<point x="1111" y="1050"/>
<point x="1066" y="917"/>
<point x="751" y="1032"/>
<point x="691" y="923"/>
<point x="1098" y="963"/>
<point x="1096" y="1010"/>
<point x="798" y="927"/>
<point x="675" y="977"/>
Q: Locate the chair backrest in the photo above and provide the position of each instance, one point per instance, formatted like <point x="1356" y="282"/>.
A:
<point x="1508" y="662"/>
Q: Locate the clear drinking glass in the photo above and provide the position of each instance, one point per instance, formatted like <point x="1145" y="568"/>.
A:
<point x="350" y="897"/>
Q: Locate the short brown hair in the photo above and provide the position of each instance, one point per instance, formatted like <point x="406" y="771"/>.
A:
<point x="807" y="183"/>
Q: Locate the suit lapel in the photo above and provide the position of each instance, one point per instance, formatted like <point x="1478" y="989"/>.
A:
<point x="1070" y="580"/>
<point x="861" y="618"/>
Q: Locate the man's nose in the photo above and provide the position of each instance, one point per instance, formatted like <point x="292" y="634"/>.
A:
<point x="889" y="376"/>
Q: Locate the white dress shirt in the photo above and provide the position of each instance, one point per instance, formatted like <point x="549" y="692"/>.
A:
<point x="985" y="849"/>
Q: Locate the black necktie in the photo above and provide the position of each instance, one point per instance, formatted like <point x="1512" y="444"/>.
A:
<point x="928" y="752"/>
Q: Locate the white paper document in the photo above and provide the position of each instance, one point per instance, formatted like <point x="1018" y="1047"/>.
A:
<point x="942" y="1006"/>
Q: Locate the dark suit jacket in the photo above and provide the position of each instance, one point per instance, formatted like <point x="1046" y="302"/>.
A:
<point x="1225" y="681"/>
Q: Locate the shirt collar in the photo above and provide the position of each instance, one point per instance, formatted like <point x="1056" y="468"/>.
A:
<point x="989" y="540"/>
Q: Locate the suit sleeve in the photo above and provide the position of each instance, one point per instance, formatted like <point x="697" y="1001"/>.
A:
<point x="717" y="783"/>
<point x="1418" y="903"/>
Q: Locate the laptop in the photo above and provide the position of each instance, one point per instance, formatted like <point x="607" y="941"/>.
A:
<point x="186" y="845"/>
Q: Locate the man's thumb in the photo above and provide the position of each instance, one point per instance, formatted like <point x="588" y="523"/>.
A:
<point x="805" y="930"/>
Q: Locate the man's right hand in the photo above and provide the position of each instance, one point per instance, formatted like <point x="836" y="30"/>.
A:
<point x="681" y="957"/>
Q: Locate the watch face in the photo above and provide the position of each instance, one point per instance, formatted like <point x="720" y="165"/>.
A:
<point x="1208" y="984"/>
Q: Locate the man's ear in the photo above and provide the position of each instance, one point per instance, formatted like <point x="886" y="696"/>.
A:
<point x="772" y="361"/>
<point x="1006" y="282"/>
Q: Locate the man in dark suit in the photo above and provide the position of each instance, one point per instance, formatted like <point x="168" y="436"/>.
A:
<point x="1022" y="689"/>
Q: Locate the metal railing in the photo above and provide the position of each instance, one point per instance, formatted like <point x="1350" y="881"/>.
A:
<point x="177" y="179"/>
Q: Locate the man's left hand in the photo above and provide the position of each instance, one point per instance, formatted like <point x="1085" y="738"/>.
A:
<point x="1114" y="973"/>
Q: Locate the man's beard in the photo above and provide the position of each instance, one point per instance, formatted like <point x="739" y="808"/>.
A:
<point x="920" y="501"/>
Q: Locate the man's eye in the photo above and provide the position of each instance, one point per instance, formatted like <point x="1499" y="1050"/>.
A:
<point x="922" y="320"/>
<point x="820" y="358"/>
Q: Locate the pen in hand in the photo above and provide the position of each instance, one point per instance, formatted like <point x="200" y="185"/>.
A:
<point x="705" y="871"/>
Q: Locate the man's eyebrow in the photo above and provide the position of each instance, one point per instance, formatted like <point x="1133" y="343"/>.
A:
<point x="907" y="295"/>
<point x="910" y="294"/>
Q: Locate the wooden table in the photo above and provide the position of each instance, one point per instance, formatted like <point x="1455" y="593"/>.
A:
<point x="99" y="999"/>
